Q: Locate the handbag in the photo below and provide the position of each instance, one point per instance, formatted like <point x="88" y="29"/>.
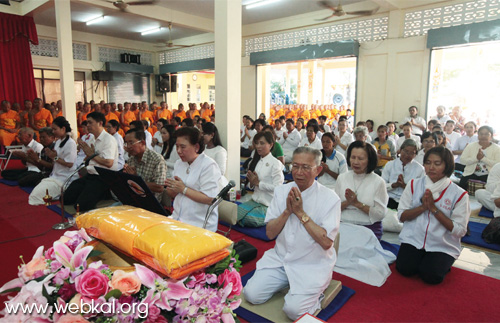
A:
<point x="245" y="251"/>
<point x="473" y="185"/>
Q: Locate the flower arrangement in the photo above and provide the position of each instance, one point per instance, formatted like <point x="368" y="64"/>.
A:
<point x="60" y="285"/>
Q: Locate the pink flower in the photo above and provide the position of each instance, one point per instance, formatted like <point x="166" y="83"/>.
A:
<point x="92" y="283"/>
<point x="72" y="318"/>
<point x="50" y="254"/>
<point x="67" y="291"/>
<point x="211" y="278"/>
<point x="231" y="277"/>
<point x="127" y="283"/>
<point x="196" y="278"/>
<point x="34" y="268"/>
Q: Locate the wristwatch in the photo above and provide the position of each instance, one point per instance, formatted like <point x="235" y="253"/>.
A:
<point x="55" y="159"/>
<point x="434" y="211"/>
<point x="304" y="219"/>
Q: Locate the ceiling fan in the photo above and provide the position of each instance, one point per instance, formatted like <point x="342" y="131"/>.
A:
<point x="122" y="5"/>
<point x="169" y="43"/>
<point x="339" y="12"/>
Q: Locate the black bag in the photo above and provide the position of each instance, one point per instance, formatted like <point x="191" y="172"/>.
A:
<point x="245" y="251"/>
<point x="491" y="234"/>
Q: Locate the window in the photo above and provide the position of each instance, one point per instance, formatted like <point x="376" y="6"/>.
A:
<point x="198" y="93"/>
<point x="211" y="93"/>
<point x="48" y="85"/>
<point x="188" y="93"/>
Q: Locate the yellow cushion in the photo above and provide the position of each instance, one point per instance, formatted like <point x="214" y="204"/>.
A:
<point x="167" y="245"/>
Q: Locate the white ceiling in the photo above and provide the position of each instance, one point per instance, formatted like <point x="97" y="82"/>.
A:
<point x="192" y="18"/>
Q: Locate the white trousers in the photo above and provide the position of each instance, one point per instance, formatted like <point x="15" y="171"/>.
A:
<point x="484" y="197"/>
<point x="53" y="186"/>
<point x="265" y="282"/>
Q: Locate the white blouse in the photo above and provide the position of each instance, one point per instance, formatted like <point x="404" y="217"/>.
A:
<point x="270" y="173"/>
<point x="174" y="157"/>
<point x="202" y="175"/>
<point x="346" y="140"/>
<point x="315" y="144"/>
<point x="68" y="154"/>
<point x="393" y="169"/>
<point x="469" y="157"/>
<point x="370" y="190"/>
<point x="337" y="164"/>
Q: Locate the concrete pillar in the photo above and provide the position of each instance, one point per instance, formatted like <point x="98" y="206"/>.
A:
<point x="65" y="50"/>
<point x="228" y="81"/>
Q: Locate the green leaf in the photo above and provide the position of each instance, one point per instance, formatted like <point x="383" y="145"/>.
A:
<point x="39" y="279"/>
<point x="113" y="293"/>
<point x="94" y="253"/>
<point x="15" y="289"/>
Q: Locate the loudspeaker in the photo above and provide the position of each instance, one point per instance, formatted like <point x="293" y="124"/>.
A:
<point x="102" y="76"/>
<point x="162" y="83"/>
<point x="125" y="58"/>
<point x="173" y="83"/>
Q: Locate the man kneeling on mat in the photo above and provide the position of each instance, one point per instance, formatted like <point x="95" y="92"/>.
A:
<point x="305" y="217"/>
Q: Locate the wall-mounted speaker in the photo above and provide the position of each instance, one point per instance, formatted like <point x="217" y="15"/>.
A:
<point x="166" y="83"/>
<point x="102" y="76"/>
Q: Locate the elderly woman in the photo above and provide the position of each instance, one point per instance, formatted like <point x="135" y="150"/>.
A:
<point x="462" y="142"/>
<point x="362" y="192"/>
<point x="311" y="139"/>
<point x="195" y="182"/>
<point x="264" y="174"/>
<point x="343" y="138"/>
<point x="434" y="212"/>
<point x="479" y="157"/>
<point x="429" y="140"/>
<point x="397" y="173"/>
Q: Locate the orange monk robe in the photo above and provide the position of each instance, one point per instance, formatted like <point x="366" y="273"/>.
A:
<point x="206" y="115"/>
<point x="149" y="116"/>
<point x="343" y="112"/>
<point x="327" y="114"/>
<point x="165" y="114"/>
<point x="118" y="113"/>
<point x="192" y="113"/>
<point x="279" y="113"/>
<point x="334" y="112"/>
<point x="8" y="120"/>
<point x="136" y="113"/>
<point x="272" y="113"/>
<point x="128" y="117"/>
<point x="84" y="116"/>
<point x="111" y="116"/>
<point x="59" y="114"/>
<point x="290" y="114"/>
<point x="181" y="115"/>
<point x="306" y="115"/>
<point x="121" y="132"/>
<point x="43" y="118"/>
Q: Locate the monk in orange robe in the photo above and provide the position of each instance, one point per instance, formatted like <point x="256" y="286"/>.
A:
<point x="163" y="112"/>
<point x="126" y="117"/>
<point x="180" y="112"/>
<point x="82" y="116"/>
<point x="39" y="117"/>
<point x="192" y="112"/>
<point x="10" y="122"/>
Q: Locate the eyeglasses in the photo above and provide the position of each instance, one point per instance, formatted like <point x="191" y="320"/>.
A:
<point x="305" y="168"/>
<point x="130" y="144"/>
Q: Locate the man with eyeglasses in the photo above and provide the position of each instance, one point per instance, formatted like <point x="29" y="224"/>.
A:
<point x="304" y="217"/>
<point x="90" y="189"/>
<point x="145" y="162"/>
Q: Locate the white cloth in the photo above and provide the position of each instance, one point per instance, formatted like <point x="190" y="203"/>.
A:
<point x="307" y="265"/>
<point x="174" y="157"/>
<point x="402" y="139"/>
<point x="315" y="144"/>
<point x="452" y="138"/>
<point x="47" y="184"/>
<point x="461" y="143"/>
<point x="149" y="140"/>
<point x="219" y="154"/>
<point x="337" y="163"/>
<point x="279" y="134"/>
<point x="37" y="148"/>
<point x="346" y="140"/>
<point x="469" y="157"/>
<point x="121" y="150"/>
<point x="105" y="147"/>
<point x="393" y="169"/>
<point x="157" y="136"/>
<point x="442" y="120"/>
<point x="270" y="173"/>
<point x="89" y="140"/>
<point x="204" y="175"/>
<point x="418" y="120"/>
<point x="59" y="172"/>
<point x="248" y="141"/>
<point x="491" y="192"/>
<point x="420" y="157"/>
<point x="373" y="134"/>
<point x="327" y="128"/>
<point x="370" y="190"/>
<point x="361" y="255"/>
<point x="425" y="231"/>
<point x="291" y="142"/>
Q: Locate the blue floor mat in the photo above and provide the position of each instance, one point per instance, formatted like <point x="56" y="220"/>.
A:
<point x="475" y="237"/>
<point x="394" y="248"/>
<point x="324" y="315"/>
<point x="257" y="233"/>
<point x="7" y="182"/>
<point x="484" y="212"/>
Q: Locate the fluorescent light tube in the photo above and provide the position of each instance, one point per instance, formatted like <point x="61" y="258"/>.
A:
<point x="147" y="32"/>
<point x="259" y="3"/>
<point x="95" y="20"/>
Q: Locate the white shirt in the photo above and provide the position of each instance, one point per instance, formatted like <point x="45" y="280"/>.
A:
<point x="425" y="231"/>
<point x="370" y="190"/>
<point x="420" y="157"/>
<point x="469" y="157"/>
<point x="307" y="265"/>
<point x="442" y="120"/>
<point x="279" y="134"/>
<point x="327" y="128"/>
<point x="107" y="148"/>
<point x="493" y="178"/>
<point x="291" y="142"/>
<point x="219" y="154"/>
<point x="373" y="135"/>
<point x="461" y="143"/>
<point x="247" y="142"/>
<point x="402" y="139"/>
<point x="204" y="174"/>
<point x="270" y="173"/>
<point x="337" y="164"/>
<point x="121" y="151"/>
<point x="89" y="140"/>
<point x="393" y="169"/>
<point x="174" y="157"/>
<point x="157" y="136"/>
<point x="149" y="140"/>
<point x="419" y="120"/>
<point x="315" y="144"/>
<point x="346" y="140"/>
<point x="68" y="154"/>
<point x="37" y="148"/>
<point x="452" y="137"/>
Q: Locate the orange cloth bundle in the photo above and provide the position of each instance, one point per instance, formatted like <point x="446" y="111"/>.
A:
<point x="171" y="247"/>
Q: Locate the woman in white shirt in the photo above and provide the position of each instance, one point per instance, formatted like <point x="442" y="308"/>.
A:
<point x="479" y="157"/>
<point x="311" y="140"/>
<point x="407" y="129"/>
<point x="215" y="150"/>
<point x="264" y="174"/>
<point x="168" y="150"/>
<point x="333" y="163"/>
<point x="299" y="125"/>
<point x="362" y="192"/>
<point x="344" y="138"/>
<point x="397" y="173"/>
<point x="429" y="140"/>
<point x="462" y="142"/>
<point x="157" y="142"/>
<point x="64" y="157"/>
<point x="195" y="181"/>
<point x="434" y="212"/>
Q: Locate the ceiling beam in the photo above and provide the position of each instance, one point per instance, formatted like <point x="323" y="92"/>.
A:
<point x="161" y="14"/>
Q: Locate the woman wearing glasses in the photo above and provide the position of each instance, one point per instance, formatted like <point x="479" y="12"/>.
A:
<point x="264" y="174"/>
<point x="362" y="192"/>
<point x="397" y="173"/>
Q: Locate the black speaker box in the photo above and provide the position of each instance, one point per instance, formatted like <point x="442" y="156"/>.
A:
<point x="102" y="76"/>
<point x="173" y="83"/>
